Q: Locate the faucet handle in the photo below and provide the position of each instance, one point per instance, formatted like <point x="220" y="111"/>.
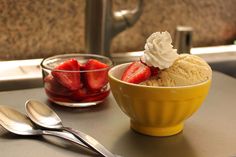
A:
<point x="126" y="18"/>
<point x="102" y="24"/>
<point x="183" y="39"/>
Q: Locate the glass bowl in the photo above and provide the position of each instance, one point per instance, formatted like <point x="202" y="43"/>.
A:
<point x="76" y="88"/>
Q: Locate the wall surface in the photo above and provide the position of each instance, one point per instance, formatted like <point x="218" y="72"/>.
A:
<point x="33" y="29"/>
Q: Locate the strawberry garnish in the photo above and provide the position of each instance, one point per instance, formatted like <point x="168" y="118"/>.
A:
<point x="154" y="71"/>
<point x="95" y="80"/>
<point x="70" y="77"/>
<point x="136" y="73"/>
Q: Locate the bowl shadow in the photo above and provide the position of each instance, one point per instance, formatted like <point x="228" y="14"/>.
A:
<point x="132" y="143"/>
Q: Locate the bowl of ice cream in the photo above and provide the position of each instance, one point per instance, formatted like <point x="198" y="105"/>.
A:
<point x="159" y="103"/>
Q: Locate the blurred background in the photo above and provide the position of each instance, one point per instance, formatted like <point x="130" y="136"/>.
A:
<point x="36" y="29"/>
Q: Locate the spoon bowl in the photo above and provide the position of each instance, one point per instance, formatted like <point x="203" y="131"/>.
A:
<point x="44" y="116"/>
<point x="18" y="123"/>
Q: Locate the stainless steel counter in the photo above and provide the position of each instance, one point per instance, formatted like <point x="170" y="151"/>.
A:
<point x="208" y="133"/>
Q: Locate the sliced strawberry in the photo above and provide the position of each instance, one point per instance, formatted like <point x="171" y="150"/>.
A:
<point x="96" y="97"/>
<point x="70" y="79"/>
<point x="82" y="66"/>
<point x="154" y="71"/>
<point x="136" y="72"/>
<point x="54" y="87"/>
<point x="85" y="95"/>
<point x="55" y="90"/>
<point x="80" y="94"/>
<point x="95" y="80"/>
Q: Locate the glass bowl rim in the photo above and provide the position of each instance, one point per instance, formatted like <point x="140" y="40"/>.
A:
<point x="43" y="66"/>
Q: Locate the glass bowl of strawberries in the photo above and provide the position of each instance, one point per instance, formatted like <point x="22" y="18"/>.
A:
<point x="76" y="80"/>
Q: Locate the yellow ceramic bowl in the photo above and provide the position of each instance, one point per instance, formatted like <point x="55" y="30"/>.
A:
<point x="156" y="111"/>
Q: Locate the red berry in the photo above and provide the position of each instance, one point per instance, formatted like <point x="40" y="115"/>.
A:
<point x="85" y="95"/>
<point x="54" y="87"/>
<point x="80" y="94"/>
<point x="71" y="78"/>
<point x="95" y="80"/>
<point x="96" y="97"/>
<point x="136" y="72"/>
<point x="154" y="71"/>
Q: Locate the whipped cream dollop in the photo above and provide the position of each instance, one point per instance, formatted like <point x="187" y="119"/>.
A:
<point x="159" y="51"/>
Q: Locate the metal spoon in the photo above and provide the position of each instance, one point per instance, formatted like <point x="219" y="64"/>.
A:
<point x="44" y="116"/>
<point x="18" y="123"/>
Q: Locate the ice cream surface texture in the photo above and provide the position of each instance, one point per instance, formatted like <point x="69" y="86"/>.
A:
<point x="159" y="51"/>
<point x="186" y="70"/>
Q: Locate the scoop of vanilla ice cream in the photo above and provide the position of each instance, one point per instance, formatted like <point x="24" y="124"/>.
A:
<point x="186" y="70"/>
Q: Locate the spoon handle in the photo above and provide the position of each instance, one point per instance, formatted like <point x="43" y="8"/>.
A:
<point x="90" y="142"/>
<point x="64" y="135"/>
